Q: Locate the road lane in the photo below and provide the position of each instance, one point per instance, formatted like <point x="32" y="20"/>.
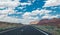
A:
<point x="25" y="30"/>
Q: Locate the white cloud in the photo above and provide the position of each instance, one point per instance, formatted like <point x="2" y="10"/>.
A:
<point x="5" y="0"/>
<point x="10" y="19"/>
<point x="7" y="11"/>
<point x="52" y="3"/>
<point x="31" y="0"/>
<point x="8" y="3"/>
<point x="25" y="3"/>
<point x="5" y="18"/>
<point x="20" y="7"/>
<point x="35" y="12"/>
<point x="41" y="12"/>
<point x="27" y="17"/>
<point x="48" y="16"/>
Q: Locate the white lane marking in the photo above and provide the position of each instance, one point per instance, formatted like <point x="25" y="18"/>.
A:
<point x="41" y="31"/>
<point x="7" y="30"/>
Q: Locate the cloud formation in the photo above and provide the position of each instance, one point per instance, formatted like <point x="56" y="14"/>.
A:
<point x="52" y="3"/>
<point x="28" y="11"/>
<point x="9" y="6"/>
<point x="48" y="16"/>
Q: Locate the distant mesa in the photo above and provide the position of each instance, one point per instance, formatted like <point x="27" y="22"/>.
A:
<point x="48" y="22"/>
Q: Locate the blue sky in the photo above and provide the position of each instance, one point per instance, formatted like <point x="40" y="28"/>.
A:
<point x="25" y="11"/>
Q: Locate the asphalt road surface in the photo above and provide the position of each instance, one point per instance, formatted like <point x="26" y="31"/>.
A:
<point x="25" y="30"/>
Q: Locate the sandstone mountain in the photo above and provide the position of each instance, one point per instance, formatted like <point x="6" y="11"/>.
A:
<point x="51" y="22"/>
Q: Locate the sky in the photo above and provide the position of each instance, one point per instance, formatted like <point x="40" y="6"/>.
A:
<point x="25" y="11"/>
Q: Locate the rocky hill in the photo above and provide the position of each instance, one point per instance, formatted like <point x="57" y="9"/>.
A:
<point x="51" y="22"/>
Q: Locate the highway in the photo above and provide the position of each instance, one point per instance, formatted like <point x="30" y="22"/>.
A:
<point x="25" y="30"/>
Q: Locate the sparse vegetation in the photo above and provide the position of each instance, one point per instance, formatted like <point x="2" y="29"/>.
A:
<point x="50" y="29"/>
<point x="5" y="25"/>
<point x="49" y="25"/>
